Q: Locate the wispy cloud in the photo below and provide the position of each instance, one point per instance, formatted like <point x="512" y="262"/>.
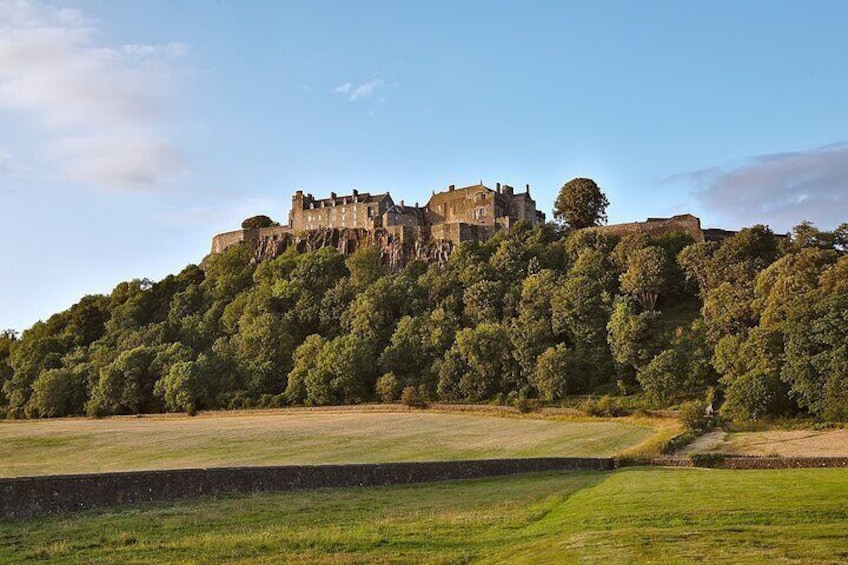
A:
<point x="779" y="189"/>
<point x="101" y="109"/>
<point x="361" y="91"/>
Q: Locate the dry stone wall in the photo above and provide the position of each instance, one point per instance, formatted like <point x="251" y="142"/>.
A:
<point x="30" y="497"/>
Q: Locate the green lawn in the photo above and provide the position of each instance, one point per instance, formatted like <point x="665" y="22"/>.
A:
<point x="78" y="445"/>
<point x="634" y="515"/>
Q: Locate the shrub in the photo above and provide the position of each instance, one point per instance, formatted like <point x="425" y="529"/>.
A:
<point x="753" y="396"/>
<point x="411" y="399"/>
<point x="526" y="405"/>
<point x="388" y="388"/>
<point x="695" y="417"/>
<point x="835" y="402"/>
<point x="606" y="406"/>
<point x="661" y="378"/>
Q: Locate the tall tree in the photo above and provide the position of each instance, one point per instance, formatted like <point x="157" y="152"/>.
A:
<point x="581" y="204"/>
<point x="645" y="276"/>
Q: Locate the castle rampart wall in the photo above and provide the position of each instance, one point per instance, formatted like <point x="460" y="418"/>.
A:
<point x="687" y="224"/>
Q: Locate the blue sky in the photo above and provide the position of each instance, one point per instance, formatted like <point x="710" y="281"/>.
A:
<point x="131" y="132"/>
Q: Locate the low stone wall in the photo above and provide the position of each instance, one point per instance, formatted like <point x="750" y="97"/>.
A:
<point x="779" y="462"/>
<point x="662" y="461"/>
<point x="30" y="497"/>
<point x="728" y="461"/>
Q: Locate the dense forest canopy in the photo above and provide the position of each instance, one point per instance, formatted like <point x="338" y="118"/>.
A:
<point x="758" y="324"/>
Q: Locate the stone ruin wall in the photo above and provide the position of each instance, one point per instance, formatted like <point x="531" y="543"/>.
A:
<point x="687" y="224"/>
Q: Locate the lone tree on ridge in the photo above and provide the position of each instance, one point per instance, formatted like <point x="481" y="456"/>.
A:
<point x="581" y="204"/>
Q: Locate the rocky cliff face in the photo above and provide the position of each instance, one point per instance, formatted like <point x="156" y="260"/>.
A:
<point x="395" y="250"/>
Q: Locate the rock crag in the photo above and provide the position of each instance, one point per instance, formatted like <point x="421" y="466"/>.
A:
<point x="398" y="245"/>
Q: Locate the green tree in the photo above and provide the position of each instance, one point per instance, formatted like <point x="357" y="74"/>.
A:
<point x="696" y="261"/>
<point x="304" y="358"/>
<point x="481" y="361"/>
<point x="484" y="302"/>
<point x="625" y="249"/>
<point x="254" y="222"/>
<point x="750" y="367"/>
<point x="57" y="392"/>
<point x="7" y="338"/>
<point x="580" y="307"/>
<point x="816" y="344"/>
<point x="662" y="377"/>
<point x="365" y="266"/>
<point x="343" y="372"/>
<point x="531" y="332"/>
<point x="36" y="351"/>
<point x="581" y="204"/>
<point x="634" y="337"/>
<point x="388" y="388"/>
<point x="409" y="353"/>
<point x="561" y="371"/>
<point x="180" y="389"/>
<point x="125" y="386"/>
<point x="645" y="276"/>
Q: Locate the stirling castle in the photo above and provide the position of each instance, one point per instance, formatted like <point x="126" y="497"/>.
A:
<point x="429" y="233"/>
<point x="401" y="232"/>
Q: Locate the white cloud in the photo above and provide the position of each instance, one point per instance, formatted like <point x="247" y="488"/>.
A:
<point x="102" y="109"/>
<point x="779" y="189"/>
<point x="362" y="91"/>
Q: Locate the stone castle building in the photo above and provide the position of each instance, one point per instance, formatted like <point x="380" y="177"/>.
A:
<point x="402" y="232"/>
<point x="479" y="209"/>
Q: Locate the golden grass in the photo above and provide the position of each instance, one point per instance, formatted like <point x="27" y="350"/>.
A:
<point x="785" y="443"/>
<point x="308" y="436"/>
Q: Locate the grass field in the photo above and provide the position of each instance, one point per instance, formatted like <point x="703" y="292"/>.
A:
<point x="301" y="437"/>
<point x="634" y="515"/>
<point x="786" y="443"/>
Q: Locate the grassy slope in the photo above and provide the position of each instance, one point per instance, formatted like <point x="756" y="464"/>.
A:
<point x="299" y="437"/>
<point x="632" y="515"/>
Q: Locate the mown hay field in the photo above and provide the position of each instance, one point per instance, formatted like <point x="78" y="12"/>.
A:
<point x="784" y="443"/>
<point x="79" y="445"/>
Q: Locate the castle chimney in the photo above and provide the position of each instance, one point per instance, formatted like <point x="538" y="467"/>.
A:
<point x="401" y="203"/>
<point x="527" y="186"/>
<point x="451" y="187"/>
<point x="416" y="204"/>
<point x="498" y="187"/>
<point x="356" y="192"/>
